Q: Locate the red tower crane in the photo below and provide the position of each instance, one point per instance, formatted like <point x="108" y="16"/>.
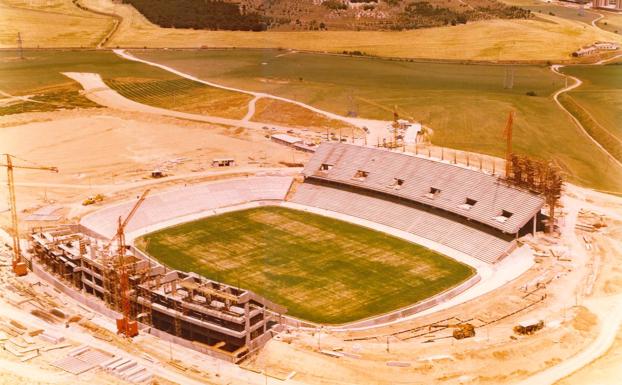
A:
<point x="126" y="325"/>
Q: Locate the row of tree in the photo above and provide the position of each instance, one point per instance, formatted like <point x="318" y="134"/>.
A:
<point x="422" y="14"/>
<point x="199" y="14"/>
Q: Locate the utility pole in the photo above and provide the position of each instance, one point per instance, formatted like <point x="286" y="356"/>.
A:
<point x="20" y="45"/>
<point x="509" y="78"/>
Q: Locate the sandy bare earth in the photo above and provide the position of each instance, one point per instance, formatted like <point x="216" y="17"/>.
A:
<point x="101" y="150"/>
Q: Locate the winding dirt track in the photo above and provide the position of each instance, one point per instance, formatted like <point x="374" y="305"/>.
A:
<point x="99" y="92"/>
<point x="577" y="83"/>
<point x="377" y="128"/>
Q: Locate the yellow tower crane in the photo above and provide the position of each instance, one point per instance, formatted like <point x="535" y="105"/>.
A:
<point x="19" y="267"/>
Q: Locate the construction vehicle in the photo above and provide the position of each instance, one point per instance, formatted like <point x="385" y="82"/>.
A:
<point x="19" y="266"/>
<point x="126" y="325"/>
<point x="528" y="327"/>
<point x="93" y="199"/>
<point x="461" y="330"/>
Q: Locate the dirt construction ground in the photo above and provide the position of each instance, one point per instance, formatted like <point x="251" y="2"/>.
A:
<point x="102" y="151"/>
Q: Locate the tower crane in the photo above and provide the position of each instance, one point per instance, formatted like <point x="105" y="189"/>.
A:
<point x="507" y="133"/>
<point x="19" y="266"/>
<point x="125" y="325"/>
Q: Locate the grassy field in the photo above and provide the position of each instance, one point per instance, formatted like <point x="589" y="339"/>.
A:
<point x="598" y="103"/>
<point x="40" y="75"/>
<point x="183" y="95"/>
<point x="283" y="113"/>
<point x="323" y="270"/>
<point x="545" y="38"/>
<point x="56" y="23"/>
<point x="465" y="105"/>
<point x="611" y="22"/>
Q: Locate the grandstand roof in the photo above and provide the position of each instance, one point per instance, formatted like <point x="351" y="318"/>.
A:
<point x="469" y="193"/>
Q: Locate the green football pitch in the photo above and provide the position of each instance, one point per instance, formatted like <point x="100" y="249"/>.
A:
<point x="322" y="269"/>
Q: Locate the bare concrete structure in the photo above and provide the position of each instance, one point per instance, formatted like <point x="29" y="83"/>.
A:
<point x="607" y="4"/>
<point x="228" y="321"/>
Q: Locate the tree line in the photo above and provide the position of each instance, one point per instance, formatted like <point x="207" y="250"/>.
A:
<point x="199" y="14"/>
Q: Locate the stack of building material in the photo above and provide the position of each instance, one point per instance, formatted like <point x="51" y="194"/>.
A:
<point x="81" y="359"/>
<point x="127" y="369"/>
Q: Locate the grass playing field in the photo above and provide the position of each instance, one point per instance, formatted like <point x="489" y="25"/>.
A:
<point x="322" y="269"/>
<point x="465" y="105"/>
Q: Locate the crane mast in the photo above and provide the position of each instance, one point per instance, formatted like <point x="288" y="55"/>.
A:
<point x="125" y="325"/>
<point x="19" y="267"/>
<point x="508" y="150"/>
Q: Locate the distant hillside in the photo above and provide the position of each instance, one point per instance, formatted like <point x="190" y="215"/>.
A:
<point x="259" y="15"/>
<point x="199" y="14"/>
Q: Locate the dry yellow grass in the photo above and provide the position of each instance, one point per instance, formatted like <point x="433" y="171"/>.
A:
<point x="545" y="38"/>
<point x="548" y="38"/>
<point x="278" y="112"/>
<point x="611" y="22"/>
<point x="57" y="25"/>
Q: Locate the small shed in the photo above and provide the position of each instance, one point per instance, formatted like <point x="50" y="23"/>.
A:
<point x="528" y="326"/>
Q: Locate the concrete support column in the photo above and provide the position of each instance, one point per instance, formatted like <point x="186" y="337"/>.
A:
<point x="534" y="224"/>
<point x="619" y="5"/>
<point x="247" y="323"/>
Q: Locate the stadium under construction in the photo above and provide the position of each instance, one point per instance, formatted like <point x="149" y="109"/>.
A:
<point x="473" y="213"/>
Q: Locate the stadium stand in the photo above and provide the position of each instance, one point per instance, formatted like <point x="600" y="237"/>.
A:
<point x="469" y="240"/>
<point x="466" y="210"/>
<point x="176" y="203"/>
<point x="468" y="193"/>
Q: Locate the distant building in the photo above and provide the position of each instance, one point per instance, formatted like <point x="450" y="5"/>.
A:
<point x="293" y="142"/>
<point x="585" y="51"/>
<point x="607" y="45"/>
<point x="285" y="139"/>
<point x="597" y="46"/>
<point x="607" y="4"/>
